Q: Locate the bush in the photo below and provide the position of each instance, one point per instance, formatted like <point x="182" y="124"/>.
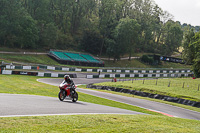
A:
<point x="147" y="59"/>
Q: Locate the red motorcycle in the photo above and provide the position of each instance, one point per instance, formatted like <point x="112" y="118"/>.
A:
<point x="65" y="92"/>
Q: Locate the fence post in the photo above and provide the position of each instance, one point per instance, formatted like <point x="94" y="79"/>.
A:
<point x="143" y="81"/>
<point x="169" y="83"/>
<point x="156" y="81"/>
<point x="183" y="84"/>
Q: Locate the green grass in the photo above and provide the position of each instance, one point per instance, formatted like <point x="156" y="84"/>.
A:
<point x="99" y="124"/>
<point x="135" y="63"/>
<point x="36" y="59"/>
<point x="7" y="49"/>
<point x="46" y="60"/>
<point x="15" y="84"/>
<point x="190" y="90"/>
<point x="125" y="63"/>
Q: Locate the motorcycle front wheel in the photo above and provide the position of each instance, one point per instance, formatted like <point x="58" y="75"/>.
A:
<point x="75" y="97"/>
<point x="61" y="95"/>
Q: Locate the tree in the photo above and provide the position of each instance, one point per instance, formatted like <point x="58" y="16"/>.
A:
<point x="192" y="51"/>
<point x="91" y="42"/>
<point x="81" y="9"/>
<point x="172" y="38"/>
<point x="188" y="52"/>
<point x="39" y="10"/>
<point x="27" y="36"/>
<point x="107" y="19"/>
<point x="111" y="48"/>
<point x="127" y="35"/>
<point x="18" y="29"/>
<point x="48" y="36"/>
<point x="62" y="24"/>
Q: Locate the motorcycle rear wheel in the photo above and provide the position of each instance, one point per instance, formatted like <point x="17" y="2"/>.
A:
<point x="61" y="96"/>
<point x="75" y="97"/>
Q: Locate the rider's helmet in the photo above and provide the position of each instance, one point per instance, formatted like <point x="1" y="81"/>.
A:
<point x="67" y="78"/>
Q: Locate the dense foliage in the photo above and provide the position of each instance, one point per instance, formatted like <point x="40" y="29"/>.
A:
<point x="109" y="27"/>
<point x="192" y="51"/>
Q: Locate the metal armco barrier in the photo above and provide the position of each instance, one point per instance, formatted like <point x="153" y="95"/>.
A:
<point x="140" y="75"/>
<point x="40" y="74"/>
<point x="116" y="73"/>
<point x="132" y="71"/>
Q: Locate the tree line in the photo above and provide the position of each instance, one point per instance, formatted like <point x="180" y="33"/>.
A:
<point x="191" y="51"/>
<point x="101" y="27"/>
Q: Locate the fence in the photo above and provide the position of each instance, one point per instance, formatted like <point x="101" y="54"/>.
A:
<point x="165" y="83"/>
<point x="105" y="70"/>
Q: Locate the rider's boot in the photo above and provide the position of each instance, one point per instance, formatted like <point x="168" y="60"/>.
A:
<point x="71" y="92"/>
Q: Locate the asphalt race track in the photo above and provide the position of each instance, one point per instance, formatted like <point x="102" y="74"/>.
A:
<point x="30" y="105"/>
<point x="165" y="109"/>
<point x="13" y="105"/>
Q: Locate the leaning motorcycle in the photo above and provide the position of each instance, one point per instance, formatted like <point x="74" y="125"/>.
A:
<point x="65" y="92"/>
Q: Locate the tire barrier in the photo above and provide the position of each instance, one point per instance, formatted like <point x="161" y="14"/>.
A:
<point x="145" y="94"/>
<point x="40" y="74"/>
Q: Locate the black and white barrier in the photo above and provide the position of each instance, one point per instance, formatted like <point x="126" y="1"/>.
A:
<point x="145" y="94"/>
<point x="132" y="71"/>
<point x="43" y="74"/>
<point x="173" y="75"/>
<point x="40" y="74"/>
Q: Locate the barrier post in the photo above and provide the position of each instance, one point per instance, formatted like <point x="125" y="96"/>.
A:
<point x="183" y="84"/>
<point x="169" y="84"/>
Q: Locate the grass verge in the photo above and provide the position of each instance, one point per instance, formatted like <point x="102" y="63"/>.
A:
<point x="99" y="124"/>
<point x="146" y="98"/>
<point x="160" y="86"/>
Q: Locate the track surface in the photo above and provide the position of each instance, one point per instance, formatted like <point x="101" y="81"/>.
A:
<point x="155" y="106"/>
<point x="30" y="105"/>
<point x="12" y="105"/>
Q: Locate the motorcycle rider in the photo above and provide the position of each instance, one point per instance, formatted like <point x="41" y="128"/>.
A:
<point x="69" y="81"/>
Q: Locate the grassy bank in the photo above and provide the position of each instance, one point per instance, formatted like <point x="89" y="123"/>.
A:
<point x="180" y="88"/>
<point x="138" y="64"/>
<point x="46" y="60"/>
<point x="100" y="124"/>
<point x="36" y="59"/>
